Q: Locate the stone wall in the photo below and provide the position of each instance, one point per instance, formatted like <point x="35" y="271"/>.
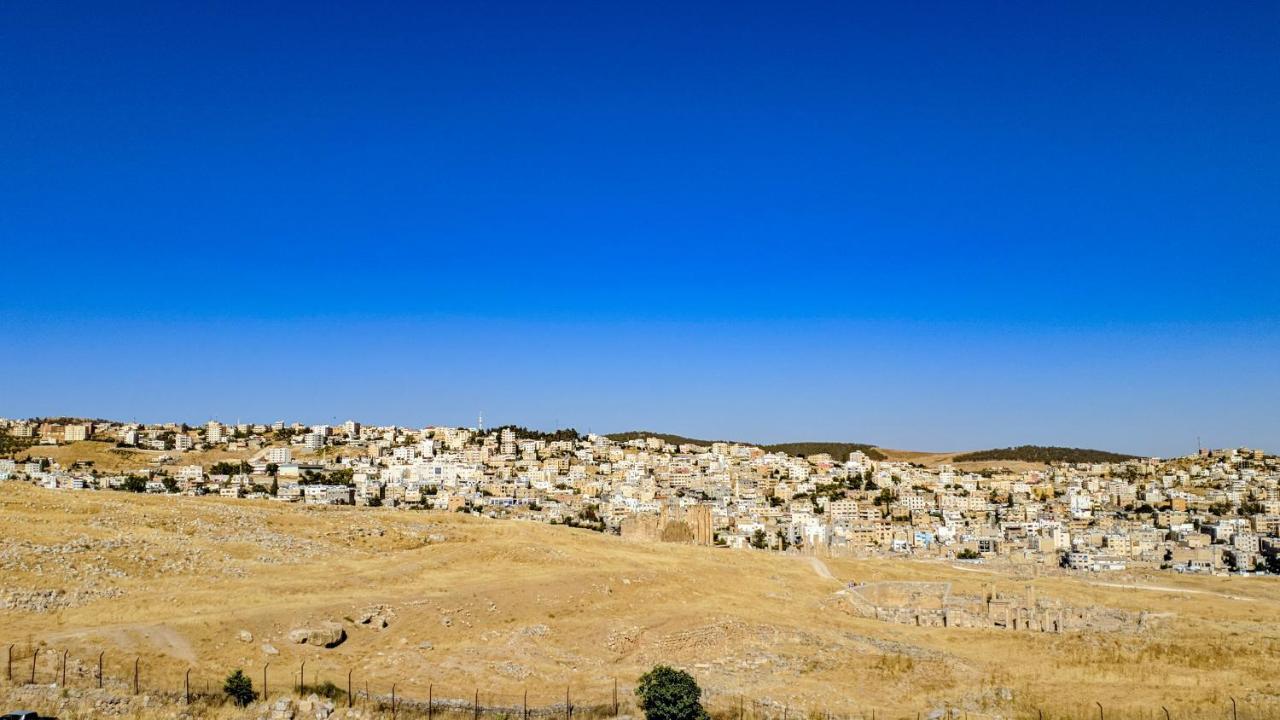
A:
<point x="933" y="604"/>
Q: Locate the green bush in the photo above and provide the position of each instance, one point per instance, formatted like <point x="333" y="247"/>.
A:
<point x="239" y="688"/>
<point x="325" y="689"/>
<point x="669" y="694"/>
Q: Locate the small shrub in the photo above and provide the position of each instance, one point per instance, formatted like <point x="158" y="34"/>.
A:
<point x="325" y="689"/>
<point x="239" y="688"/>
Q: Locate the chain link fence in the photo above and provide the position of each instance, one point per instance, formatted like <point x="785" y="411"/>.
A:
<point x="29" y="664"/>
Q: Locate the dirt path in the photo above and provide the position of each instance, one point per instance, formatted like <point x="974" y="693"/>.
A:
<point x="821" y="568"/>
<point x="159" y="637"/>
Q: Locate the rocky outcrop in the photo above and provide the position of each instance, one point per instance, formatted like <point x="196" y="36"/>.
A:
<point x="323" y="634"/>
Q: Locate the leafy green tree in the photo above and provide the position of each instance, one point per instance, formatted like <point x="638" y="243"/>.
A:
<point x="669" y="694"/>
<point x="135" y="483"/>
<point x="239" y="688"/>
<point x="758" y="539"/>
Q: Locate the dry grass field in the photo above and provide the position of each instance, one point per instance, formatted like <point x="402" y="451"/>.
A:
<point x="503" y="607"/>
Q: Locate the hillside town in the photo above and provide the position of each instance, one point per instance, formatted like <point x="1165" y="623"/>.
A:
<point x="1217" y="511"/>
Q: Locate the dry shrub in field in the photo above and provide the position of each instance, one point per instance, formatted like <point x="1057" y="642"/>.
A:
<point x="894" y="664"/>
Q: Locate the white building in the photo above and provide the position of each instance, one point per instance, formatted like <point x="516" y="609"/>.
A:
<point x="76" y="433"/>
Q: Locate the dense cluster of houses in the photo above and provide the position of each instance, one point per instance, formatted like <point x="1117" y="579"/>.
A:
<point x="1216" y="511"/>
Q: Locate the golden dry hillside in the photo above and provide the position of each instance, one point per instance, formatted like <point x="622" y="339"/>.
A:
<point x="506" y="606"/>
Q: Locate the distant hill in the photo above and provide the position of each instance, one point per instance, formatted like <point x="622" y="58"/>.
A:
<point x="837" y="450"/>
<point x="665" y="437"/>
<point x="1043" y="454"/>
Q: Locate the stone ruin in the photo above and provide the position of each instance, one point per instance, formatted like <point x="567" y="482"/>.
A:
<point x="933" y="604"/>
<point x="672" y="524"/>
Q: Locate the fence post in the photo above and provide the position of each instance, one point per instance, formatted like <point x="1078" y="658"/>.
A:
<point x="568" y="709"/>
<point x="264" y="681"/>
<point x="34" y="653"/>
<point x="136" y="662"/>
<point x="64" y="667"/>
<point x="186" y="686"/>
<point x="475" y="705"/>
<point x="349" y="686"/>
<point x="393" y="701"/>
<point x="9" y="672"/>
<point x="1101" y="716"/>
<point x="431" y="700"/>
<point x="524" y="711"/>
<point x="104" y="652"/>
<point x="1233" y="710"/>
<point x="1166" y="712"/>
<point x="302" y="676"/>
<point x="615" y="697"/>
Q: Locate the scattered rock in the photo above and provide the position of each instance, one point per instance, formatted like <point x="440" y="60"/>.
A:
<point x="378" y="616"/>
<point x="269" y="649"/>
<point x="512" y="670"/>
<point x="245" y="636"/>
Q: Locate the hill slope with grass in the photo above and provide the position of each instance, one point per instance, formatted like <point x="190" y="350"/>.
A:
<point x="837" y="450"/>
<point x="504" y="606"/>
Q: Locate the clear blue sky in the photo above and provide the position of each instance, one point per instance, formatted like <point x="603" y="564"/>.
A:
<point x="928" y="225"/>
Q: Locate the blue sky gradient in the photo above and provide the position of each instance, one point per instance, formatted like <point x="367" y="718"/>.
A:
<point x="926" y="225"/>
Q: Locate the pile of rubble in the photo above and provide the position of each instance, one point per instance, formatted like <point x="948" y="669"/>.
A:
<point x="44" y="601"/>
